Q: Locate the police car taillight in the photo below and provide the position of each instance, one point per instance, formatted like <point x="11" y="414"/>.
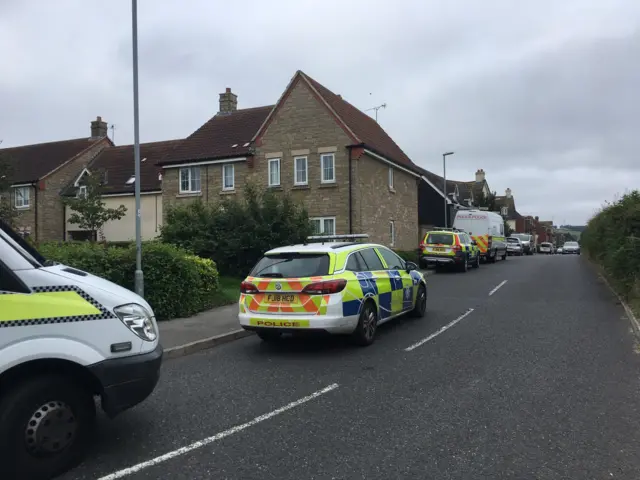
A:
<point x="248" y="287"/>
<point x="325" y="288"/>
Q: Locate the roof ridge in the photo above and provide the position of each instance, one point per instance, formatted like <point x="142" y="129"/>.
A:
<point x="51" y="142"/>
<point x="129" y="145"/>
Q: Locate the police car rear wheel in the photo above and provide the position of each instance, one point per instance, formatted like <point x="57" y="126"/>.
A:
<point x="365" y="332"/>
<point x="46" y="424"/>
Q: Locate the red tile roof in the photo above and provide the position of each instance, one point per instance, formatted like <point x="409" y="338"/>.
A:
<point x="217" y="137"/>
<point x="366" y="129"/>
<point x="30" y="163"/>
<point x="119" y="165"/>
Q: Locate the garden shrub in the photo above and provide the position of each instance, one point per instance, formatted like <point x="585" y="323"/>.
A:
<point x="409" y="255"/>
<point x="612" y="239"/>
<point x="235" y="233"/>
<point x="176" y="283"/>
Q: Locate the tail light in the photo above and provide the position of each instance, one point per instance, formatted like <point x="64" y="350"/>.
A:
<point x="489" y="240"/>
<point x="421" y="246"/>
<point x="325" y="288"/>
<point x="248" y="287"/>
<point x="456" y="248"/>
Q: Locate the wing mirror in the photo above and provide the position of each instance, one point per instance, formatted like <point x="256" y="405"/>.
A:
<point x="411" y="266"/>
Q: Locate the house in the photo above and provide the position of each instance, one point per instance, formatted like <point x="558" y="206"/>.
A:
<point x="40" y="172"/>
<point x="328" y="155"/>
<point x="507" y="208"/>
<point x="116" y="167"/>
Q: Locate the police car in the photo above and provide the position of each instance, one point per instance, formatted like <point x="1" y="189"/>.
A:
<point x="333" y="284"/>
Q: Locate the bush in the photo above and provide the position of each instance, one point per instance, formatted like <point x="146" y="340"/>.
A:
<point x="236" y="233"/>
<point x="176" y="283"/>
<point x="612" y="239"/>
<point x="409" y="255"/>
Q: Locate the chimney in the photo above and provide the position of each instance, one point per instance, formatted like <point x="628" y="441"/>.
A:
<point x="480" y="176"/>
<point x="98" y="128"/>
<point x="507" y="193"/>
<point x="228" y="102"/>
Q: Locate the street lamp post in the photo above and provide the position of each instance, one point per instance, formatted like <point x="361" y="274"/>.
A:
<point x="444" y="176"/>
<point x="138" y="276"/>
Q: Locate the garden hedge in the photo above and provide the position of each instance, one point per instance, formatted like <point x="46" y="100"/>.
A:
<point x="612" y="240"/>
<point x="176" y="282"/>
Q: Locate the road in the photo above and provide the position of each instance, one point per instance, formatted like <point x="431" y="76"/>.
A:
<point x="538" y="381"/>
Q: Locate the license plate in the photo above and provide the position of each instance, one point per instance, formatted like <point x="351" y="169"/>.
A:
<point x="280" y="298"/>
<point x="438" y="249"/>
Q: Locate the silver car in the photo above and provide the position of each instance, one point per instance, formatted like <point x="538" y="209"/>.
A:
<point x="571" y="248"/>
<point x="514" y="246"/>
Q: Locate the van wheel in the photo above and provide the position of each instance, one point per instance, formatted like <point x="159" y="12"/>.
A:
<point x="492" y="257"/>
<point x="504" y="257"/>
<point x="365" y="332"/>
<point x="46" y="425"/>
<point x="476" y="264"/>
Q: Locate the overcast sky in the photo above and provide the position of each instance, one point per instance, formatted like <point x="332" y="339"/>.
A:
<point x="544" y="95"/>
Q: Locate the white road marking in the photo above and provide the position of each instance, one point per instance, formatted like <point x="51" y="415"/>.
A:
<point x="434" y="335"/>
<point x="496" y="289"/>
<point x="219" y="436"/>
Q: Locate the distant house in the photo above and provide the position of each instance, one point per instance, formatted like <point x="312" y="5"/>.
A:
<point x="116" y="167"/>
<point x="507" y="208"/>
<point x="331" y="157"/>
<point x="39" y="174"/>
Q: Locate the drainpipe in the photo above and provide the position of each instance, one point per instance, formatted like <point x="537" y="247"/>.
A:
<point x="350" y="194"/>
<point x="35" y="210"/>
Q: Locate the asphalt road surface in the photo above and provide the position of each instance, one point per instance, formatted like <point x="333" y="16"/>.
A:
<point x="525" y="369"/>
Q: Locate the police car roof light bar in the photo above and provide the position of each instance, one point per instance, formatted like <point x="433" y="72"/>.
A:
<point x="326" y="238"/>
<point x="446" y="229"/>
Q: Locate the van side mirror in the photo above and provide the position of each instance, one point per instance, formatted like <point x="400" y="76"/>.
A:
<point x="411" y="266"/>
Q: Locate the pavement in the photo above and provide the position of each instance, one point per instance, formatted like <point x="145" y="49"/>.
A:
<point x="525" y="369"/>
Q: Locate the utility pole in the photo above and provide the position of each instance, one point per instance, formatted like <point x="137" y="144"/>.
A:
<point x="139" y="277"/>
<point x="444" y="183"/>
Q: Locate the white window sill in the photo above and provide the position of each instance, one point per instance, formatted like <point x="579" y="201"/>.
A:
<point x="229" y="191"/>
<point x="328" y="182"/>
<point x="25" y="207"/>
<point x="188" y="194"/>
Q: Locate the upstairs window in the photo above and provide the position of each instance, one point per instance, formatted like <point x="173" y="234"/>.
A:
<point x="391" y="178"/>
<point x="328" y="166"/>
<point x="300" y="174"/>
<point x="22" y="197"/>
<point x="274" y="172"/>
<point x="190" y="180"/>
<point x="228" y="176"/>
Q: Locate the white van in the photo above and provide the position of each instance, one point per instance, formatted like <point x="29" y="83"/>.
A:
<point x="66" y="336"/>
<point x="487" y="231"/>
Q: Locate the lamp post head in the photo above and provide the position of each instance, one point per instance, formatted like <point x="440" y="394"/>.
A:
<point x="447" y="153"/>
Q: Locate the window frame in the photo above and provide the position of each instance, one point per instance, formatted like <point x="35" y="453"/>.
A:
<point x="225" y="188"/>
<point x="82" y="191"/>
<point x="359" y="259"/>
<point x="322" y="220"/>
<point x="24" y="204"/>
<point x="191" y="177"/>
<point x="392" y="232"/>
<point x="390" y="179"/>
<point x="333" y="167"/>
<point x="403" y="264"/>
<point x="377" y="256"/>
<point x="295" y="170"/>
<point x="269" y="168"/>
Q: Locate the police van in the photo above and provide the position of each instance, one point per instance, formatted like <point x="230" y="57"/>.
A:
<point x="66" y="336"/>
<point x="487" y="231"/>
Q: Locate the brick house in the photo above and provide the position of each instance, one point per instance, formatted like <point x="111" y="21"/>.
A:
<point x="116" y="167"/>
<point x="328" y="155"/>
<point x="40" y="172"/>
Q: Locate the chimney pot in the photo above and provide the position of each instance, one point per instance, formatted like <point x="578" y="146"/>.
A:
<point x="507" y="193"/>
<point x="228" y="102"/>
<point x="480" y="176"/>
<point x="99" y="128"/>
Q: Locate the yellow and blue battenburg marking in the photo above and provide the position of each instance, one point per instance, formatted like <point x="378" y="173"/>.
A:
<point x="49" y="304"/>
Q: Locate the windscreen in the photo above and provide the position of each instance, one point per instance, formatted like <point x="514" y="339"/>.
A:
<point x="439" y="239"/>
<point x="292" y="265"/>
<point x="513" y="240"/>
<point x="522" y="236"/>
<point x="545" y="244"/>
<point x="571" y="244"/>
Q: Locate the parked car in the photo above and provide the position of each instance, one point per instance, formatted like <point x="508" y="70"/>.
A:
<point x="559" y="251"/>
<point x="449" y="247"/>
<point x="546" y="247"/>
<point x="514" y="246"/>
<point x="571" y="248"/>
<point x="528" y="242"/>
<point x="486" y="229"/>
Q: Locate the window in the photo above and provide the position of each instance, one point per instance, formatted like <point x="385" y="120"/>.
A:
<point x="324" y="225"/>
<point x="504" y="211"/>
<point x="392" y="232"/>
<point x="228" y="177"/>
<point x="502" y="229"/>
<point x="82" y="191"/>
<point x="274" y="172"/>
<point x="372" y="259"/>
<point x="328" y="165"/>
<point x="393" y="261"/>
<point x="391" y="178"/>
<point x="292" y="265"/>
<point x="439" y="239"/>
<point x="356" y="263"/>
<point x="300" y="174"/>
<point x="190" y="180"/>
<point x="22" y="197"/>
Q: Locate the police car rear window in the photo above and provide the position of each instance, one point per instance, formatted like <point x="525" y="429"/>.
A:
<point x="292" y="265"/>
<point x="440" y="239"/>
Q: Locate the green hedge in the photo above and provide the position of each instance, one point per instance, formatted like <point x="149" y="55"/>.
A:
<point x="612" y="239"/>
<point x="236" y="232"/>
<point x="409" y="255"/>
<point x="176" y="283"/>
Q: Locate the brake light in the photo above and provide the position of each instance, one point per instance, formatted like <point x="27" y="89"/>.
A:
<point x="456" y="248"/>
<point x="248" y="287"/>
<point x="421" y="246"/>
<point x="489" y="240"/>
<point x="325" y="288"/>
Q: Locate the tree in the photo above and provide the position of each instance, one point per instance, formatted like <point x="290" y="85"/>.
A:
<point x="88" y="211"/>
<point x="488" y="202"/>
<point x="7" y="212"/>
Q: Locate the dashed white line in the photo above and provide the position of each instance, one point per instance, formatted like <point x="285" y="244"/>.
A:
<point x="434" y="335"/>
<point x="496" y="289"/>
<point x="219" y="436"/>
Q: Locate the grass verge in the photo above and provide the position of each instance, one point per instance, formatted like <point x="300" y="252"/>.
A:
<point x="228" y="292"/>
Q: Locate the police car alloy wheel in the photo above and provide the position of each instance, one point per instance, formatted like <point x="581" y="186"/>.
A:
<point x="45" y="427"/>
<point x="365" y="331"/>
<point x="476" y="264"/>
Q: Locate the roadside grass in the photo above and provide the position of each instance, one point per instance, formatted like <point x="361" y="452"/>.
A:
<point x="228" y="291"/>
